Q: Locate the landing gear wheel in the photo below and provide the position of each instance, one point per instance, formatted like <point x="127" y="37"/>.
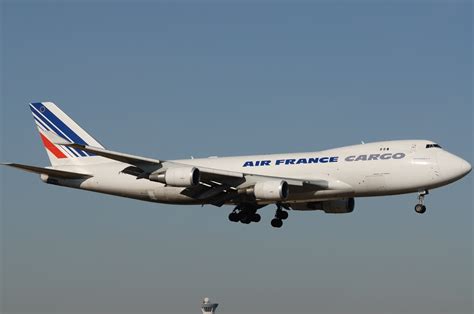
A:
<point x="281" y="214"/>
<point x="420" y="208"/>
<point x="277" y="223"/>
<point x="256" y="218"/>
<point x="234" y="217"/>
<point x="246" y="219"/>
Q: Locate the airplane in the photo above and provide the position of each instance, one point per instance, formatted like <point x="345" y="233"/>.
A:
<point x="327" y="181"/>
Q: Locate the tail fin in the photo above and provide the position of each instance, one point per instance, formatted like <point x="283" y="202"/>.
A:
<point x="48" y="117"/>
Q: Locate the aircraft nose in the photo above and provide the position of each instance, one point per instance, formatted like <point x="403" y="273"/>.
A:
<point x="453" y="167"/>
<point x="465" y="166"/>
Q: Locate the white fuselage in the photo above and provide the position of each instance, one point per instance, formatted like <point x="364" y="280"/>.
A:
<point x="373" y="169"/>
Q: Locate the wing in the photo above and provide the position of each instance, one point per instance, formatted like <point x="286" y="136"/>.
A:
<point x="216" y="186"/>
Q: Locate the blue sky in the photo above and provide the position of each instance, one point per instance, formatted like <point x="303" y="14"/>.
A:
<point x="171" y="80"/>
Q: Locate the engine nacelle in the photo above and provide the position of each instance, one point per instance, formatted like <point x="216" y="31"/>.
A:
<point x="340" y="206"/>
<point x="178" y="176"/>
<point x="271" y="190"/>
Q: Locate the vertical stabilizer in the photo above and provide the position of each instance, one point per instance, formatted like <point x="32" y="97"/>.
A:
<point x="48" y="117"/>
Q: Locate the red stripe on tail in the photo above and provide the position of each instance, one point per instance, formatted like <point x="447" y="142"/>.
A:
<point x="52" y="148"/>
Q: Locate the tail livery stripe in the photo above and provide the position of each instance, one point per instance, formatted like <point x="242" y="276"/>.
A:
<point x="64" y="128"/>
<point x="54" y="128"/>
<point x="52" y="148"/>
<point x="64" y="150"/>
<point x="38" y="121"/>
<point x="51" y="127"/>
<point x="51" y="122"/>
<point x="57" y="126"/>
<point x="68" y="149"/>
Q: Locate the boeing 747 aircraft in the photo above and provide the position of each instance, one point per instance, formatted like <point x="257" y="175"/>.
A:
<point x="327" y="180"/>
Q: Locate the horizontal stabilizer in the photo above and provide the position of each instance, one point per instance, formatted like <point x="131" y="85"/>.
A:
<point x="50" y="172"/>
<point x="126" y="158"/>
<point x="56" y="139"/>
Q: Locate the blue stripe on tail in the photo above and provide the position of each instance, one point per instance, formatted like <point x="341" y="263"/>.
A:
<point x="58" y="124"/>
<point x="50" y="127"/>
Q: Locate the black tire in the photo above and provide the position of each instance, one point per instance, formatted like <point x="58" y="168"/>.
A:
<point x="234" y="217"/>
<point x="277" y="223"/>
<point x="420" y="209"/>
<point x="281" y="214"/>
<point x="256" y="218"/>
<point x="246" y="220"/>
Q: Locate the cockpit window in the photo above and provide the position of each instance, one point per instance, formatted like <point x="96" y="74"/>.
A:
<point x="432" y="145"/>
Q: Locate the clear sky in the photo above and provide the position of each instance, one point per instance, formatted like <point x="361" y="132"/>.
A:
<point x="170" y="80"/>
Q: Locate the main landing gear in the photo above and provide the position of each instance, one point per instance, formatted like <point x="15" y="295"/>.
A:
<point x="247" y="214"/>
<point x="420" y="208"/>
<point x="280" y="215"/>
<point x="244" y="215"/>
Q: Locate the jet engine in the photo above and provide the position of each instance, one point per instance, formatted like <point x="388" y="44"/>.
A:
<point x="340" y="206"/>
<point x="178" y="176"/>
<point x="271" y="190"/>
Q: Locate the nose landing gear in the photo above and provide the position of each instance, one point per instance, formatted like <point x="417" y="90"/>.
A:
<point x="420" y="208"/>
